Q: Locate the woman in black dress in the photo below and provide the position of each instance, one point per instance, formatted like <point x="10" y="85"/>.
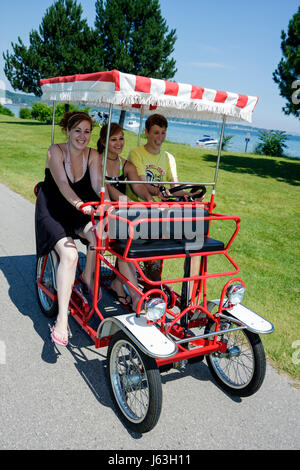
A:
<point x="72" y="176"/>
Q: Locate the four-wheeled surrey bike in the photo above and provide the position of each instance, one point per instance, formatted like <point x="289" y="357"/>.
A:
<point x="169" y="328"/>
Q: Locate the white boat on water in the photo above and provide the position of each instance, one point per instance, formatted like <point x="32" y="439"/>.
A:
<point x="207" y="141"/>
<point x="132" y="123"/>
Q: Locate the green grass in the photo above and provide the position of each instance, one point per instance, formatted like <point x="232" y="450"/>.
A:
<point x="262" y="191"/>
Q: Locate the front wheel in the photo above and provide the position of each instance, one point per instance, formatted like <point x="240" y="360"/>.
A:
<point x="241" y="369"/>
<point x="135" y="382"/>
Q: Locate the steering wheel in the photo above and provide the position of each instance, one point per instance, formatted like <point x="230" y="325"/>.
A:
<point x="195" y="191"/>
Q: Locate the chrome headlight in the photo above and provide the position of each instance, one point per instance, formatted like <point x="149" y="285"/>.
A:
<point x="155" y="309"/>
<point x="235" y="294"/>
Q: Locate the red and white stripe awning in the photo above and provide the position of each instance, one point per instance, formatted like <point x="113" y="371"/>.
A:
<point x="131" y="92"/>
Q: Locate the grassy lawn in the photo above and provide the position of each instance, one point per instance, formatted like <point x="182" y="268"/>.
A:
<point x="262" y="191"/>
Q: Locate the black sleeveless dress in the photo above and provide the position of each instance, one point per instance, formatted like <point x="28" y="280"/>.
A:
<point x="55" y="217"/>
<point x="115" y="180"/>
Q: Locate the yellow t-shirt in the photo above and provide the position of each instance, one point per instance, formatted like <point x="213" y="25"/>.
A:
<point x="160" y="167"/>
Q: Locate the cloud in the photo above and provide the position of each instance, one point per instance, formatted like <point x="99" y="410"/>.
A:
<point x="209" y="65"/>
<point x="208" y="48"/>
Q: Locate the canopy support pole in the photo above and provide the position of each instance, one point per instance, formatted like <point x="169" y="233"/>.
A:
<point x="219" y="154"/>
<point x="140" y="128"/>
<point x="211" y="203"/>
<point x="53" y="121"/>
<point x="106" y="147"/>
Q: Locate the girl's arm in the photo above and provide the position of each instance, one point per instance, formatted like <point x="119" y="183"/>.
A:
<point x="115" y="194"/>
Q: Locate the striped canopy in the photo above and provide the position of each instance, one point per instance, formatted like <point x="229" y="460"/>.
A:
<point x="149" y="95"/>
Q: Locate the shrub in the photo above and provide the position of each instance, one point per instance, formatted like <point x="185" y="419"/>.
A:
<point x="6" y="111"/>
<point x="41" y="112"/>
<point x="25" y="113"/>
<point x="60" y="110"/>
<point x="272" y="143"/>
<point x="226" y="141"/>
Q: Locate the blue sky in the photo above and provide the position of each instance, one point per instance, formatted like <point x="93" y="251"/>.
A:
<point x="231" y="45"/>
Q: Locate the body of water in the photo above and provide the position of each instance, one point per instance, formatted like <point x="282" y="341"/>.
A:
<point x="189" y="131"/>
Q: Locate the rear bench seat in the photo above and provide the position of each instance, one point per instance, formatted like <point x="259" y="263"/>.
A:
<point x="162" y="237"/>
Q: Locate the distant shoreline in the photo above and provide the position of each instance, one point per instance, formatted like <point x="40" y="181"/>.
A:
<point x="187" y="131"/>
<point x="28" y="100"/>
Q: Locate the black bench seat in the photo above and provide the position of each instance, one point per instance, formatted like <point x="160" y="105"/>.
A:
<point x="150" y="248"/>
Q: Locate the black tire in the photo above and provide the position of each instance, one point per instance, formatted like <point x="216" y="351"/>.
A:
<point x="48" y="306"/>
<point x="135" y="384"/>
<point x="241" y="370"/>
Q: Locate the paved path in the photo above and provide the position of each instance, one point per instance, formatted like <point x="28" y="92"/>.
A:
<point x="54" y="399"/>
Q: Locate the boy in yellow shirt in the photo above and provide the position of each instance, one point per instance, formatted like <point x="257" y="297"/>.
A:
<point x="153" y="163"/>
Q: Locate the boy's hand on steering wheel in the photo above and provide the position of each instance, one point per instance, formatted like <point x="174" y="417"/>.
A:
<point x="163" y="193"/>
<point x="199" y="199"/>
<point x="196" y="192"/>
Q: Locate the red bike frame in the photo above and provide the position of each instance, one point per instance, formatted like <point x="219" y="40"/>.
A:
<point x="80" y="310"/>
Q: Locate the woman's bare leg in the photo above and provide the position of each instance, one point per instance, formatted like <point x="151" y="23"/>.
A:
<point x="128" y="271"/>
<point x="66" y="270"/>
<point x="88" y="272"/>
<point x="194" y="271"/>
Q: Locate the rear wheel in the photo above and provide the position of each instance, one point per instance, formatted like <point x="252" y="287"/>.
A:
<point x="135" y="382"/>
<point x="241" y="369"/>
<point x="48" y="305"/>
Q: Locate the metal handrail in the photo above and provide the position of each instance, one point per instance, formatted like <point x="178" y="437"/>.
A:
<point x="206" y="335"/>
<point x="161" y="182"/>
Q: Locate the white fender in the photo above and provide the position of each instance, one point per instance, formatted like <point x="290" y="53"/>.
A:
<point x="247" y="317"/>
<point x="147" y="337"/>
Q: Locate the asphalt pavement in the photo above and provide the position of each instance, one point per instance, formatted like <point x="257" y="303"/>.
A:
<point x="58" y="398"/>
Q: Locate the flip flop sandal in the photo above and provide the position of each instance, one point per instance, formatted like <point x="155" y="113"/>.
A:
<point x="57" y="340"/>
<point x="118" y="297"/>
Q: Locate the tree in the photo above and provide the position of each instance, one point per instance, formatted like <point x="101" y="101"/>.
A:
<point x="272" y="143"/>
<point x="135" y="38"/>
<point x="287" y="74"/>
<point x="63" y="45"/>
